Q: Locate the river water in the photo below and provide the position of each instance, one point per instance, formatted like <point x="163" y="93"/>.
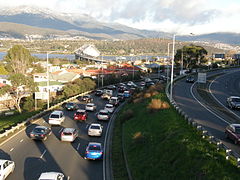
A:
<point x="72" y="56"/>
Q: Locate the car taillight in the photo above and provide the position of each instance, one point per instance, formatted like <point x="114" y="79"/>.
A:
<point x="42" y="135"/>
<point x="31" y="134"/>
<point x="87" y="152"/>
<point x="100" y="152"/>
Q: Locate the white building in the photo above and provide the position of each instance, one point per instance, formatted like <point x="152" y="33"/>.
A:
<point x="87" y="50"/>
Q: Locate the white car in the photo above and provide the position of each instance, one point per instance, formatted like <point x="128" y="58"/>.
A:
<point x="69" y="134"/>
<point x="56" y="118"/>
<point x="6" y="167"/>
<point x="103" y="115"/>
<point x="95" y="129"/>
<point x="109" y="107"/>
<point x="51" y="176"/>
<point x="90" y="107"/>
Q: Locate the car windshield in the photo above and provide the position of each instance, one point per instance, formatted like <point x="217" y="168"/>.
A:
<point x="236" y="99"/>
<point x="237" y="130"/>
<point x="94" y="148"/>
<point x="67" y="133"/>
<point x="89" y="105"/>
<point x="94" y="127"/>
<point x="54" y="116"/>
<point x="70" y="104"/>
<point x="109" y="106"/>
<point x="39" y="130"/>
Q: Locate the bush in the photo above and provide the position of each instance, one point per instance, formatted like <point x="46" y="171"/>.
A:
<point x="157" y="104"/>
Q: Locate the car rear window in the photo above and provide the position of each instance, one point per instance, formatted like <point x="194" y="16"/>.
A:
<point x="95" y="127"/>
<point x="94" y="147"/>
<point x="39" y="130"/>
<point x="103" y="113"/>
<point x="67" y="133"/>
<point x="79" y="113"/>
<point x="54" y="116"/>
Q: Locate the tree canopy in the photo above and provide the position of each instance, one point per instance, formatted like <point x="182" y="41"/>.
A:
<point x="191" y="55"/>
<point x="19" y="59"/>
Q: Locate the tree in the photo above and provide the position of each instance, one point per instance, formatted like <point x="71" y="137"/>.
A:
<point x="21" y="86"/>
<point x="192" y="55"/>
<point x="3" y="70"/>
<point x="19" y="59"/>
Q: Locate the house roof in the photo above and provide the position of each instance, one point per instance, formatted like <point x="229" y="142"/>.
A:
<point x="60" y="76"/>
<point x="51" y="83"/>
<point x="2" y="84"/>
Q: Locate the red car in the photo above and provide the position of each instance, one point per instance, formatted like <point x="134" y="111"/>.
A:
<point x="81" y="115"/>
<point x="232" y="132"/>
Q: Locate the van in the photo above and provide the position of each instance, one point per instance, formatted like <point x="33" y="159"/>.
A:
<point x="56" y="118"/>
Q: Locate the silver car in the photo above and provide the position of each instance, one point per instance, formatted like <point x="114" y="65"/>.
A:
<point x="51" y="176"/>
<point x="95" y="129"/>
<point x="233" y="102"/>
<point x="109" y="107"/>
<point x="69" y="134"/>
<point x="103" y="115"/>
<point x="90" y="107"/>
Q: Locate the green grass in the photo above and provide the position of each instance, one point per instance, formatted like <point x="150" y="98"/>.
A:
<point x="8" y="121"/>
<point x="166" y="148"/>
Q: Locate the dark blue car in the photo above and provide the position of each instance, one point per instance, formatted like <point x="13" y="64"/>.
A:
<point x="94" y="151"/>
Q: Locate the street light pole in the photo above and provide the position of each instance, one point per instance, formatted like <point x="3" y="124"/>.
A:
<point x="171" y="88"/>
<point x="48" y="92"/>
<point x="168" y="61"/>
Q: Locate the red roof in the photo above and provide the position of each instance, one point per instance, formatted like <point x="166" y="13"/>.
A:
<point x="1" y="84"/>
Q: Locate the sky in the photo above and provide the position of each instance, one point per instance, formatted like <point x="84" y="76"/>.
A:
<point x="173" y="16"/>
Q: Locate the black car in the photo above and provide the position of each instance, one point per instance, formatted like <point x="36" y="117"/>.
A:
<point x="98" y="92"/>
<point x="71" y="106"/>
<point x="233" y="102"/>
<point x="121" y="97"/>
<point x="87" y="98"/>
<point x="40" y="133"/>
<point x="190" y="79"/>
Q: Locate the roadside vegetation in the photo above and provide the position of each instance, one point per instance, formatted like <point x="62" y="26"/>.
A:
<point x="159" y="144"/>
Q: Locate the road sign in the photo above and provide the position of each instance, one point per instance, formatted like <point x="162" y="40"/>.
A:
<point x="41" y="95"/>
<point x="202" y="77"/>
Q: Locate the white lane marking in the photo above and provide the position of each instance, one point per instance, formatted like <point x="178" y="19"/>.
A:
<point x="43" y="153"/>
<point x="60" y="130"/>
<point x="206" y="106"/>
<point x="21" y="140"/>
<point x="209" y="89"/>
<point x="11" y="149"/>
<point x="78" y="146"/>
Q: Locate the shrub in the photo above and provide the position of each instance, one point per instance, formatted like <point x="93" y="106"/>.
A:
<point x="157" y="104"/>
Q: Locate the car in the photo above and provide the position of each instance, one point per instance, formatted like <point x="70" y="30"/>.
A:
<point x="94" y="151"/>
<point x="81" y="115"/>
<point x="121" y="97"/>
<point x="190" y="79"/>
<point x="106" y="96"/>
<point x="69" y="134"/>
<point x="126" y="94"/>
<point x="6" y="167"/>
<point x="98" y="92"/>
<point x="232" y="132"/>
<point x="114" y="101"/>
<point x="121" y="89"/>
<point x="103" y="115"/>
<point x="95" y="129"/>
<point x="90" y="107"/>
<point x="56" y="118"/>
<point x="233" y="102"/>
<point x="51" y="176"/>
<point x="71" y="106"/>
<point x="108" y="91"/>
<point x="87" y="98"/>
<point x="111" y="87"/>
<point x="40" y="133"/>
<point x="142" y="83"/>
<point x="149" y="83"/>
<point x="109" y="107"/>
<point x="130" y="83"/>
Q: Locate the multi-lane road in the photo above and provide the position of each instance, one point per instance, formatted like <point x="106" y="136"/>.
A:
<point x="211" y="111"/>
<point x="34" y="157"/>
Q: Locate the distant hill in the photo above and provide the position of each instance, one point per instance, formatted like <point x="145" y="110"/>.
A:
<point x="30" y="22"/>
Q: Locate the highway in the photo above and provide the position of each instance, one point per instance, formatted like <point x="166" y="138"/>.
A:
<point x="210" y="110"/>
<point x="34" y="157"/>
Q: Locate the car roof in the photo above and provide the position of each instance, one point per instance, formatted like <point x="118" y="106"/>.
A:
<point x="81" y="110"/>
<point x="105" y="111"/>
<point x="95" y="124"/>
<point x="234" y="97"/>
<point x="114" y="97"/>
<point x="94" y="143"/>
<point x="49" y="175"/>
<point x="57" y="112"/>
<point x="42" y="127"/>
<point x="109" y="105"/>
<point x="90" y="104"/>
<point x="235" y="125"/>
<point x="68" y="129"/>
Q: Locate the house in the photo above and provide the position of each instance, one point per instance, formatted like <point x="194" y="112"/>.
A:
<point x="54" y="86"/>
<point x="4" y="79"/>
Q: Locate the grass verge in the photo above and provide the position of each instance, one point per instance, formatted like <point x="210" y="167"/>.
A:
<point x="161" y="145"/>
